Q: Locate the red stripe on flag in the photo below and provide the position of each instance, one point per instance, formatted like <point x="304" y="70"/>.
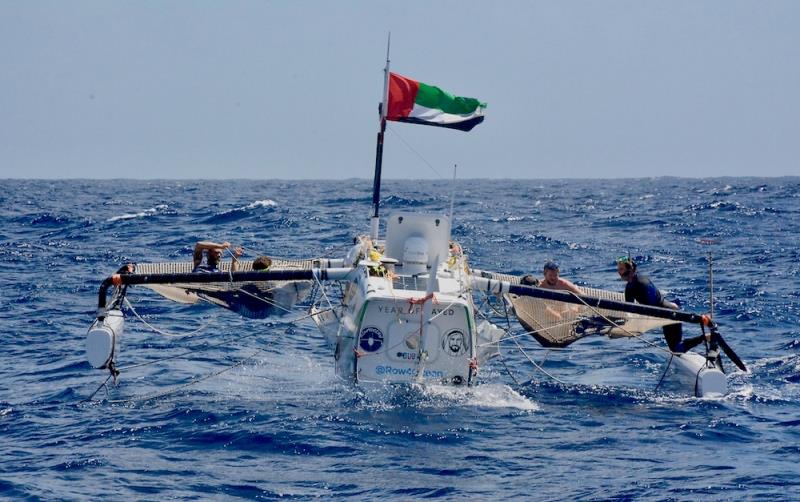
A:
<point x="402" y="93"/>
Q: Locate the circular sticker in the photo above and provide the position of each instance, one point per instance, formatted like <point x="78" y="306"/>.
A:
<point x="371" y="339"/>
<point x="454" y="343"/>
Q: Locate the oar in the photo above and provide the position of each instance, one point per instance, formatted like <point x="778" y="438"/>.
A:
<point x="727" y="349"/>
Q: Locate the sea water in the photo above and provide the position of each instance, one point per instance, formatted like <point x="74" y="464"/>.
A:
<point x="266" y="418"/>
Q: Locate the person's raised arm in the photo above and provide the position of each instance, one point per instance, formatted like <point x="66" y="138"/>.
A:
<point x="237" y="252"/>
<point x="201" y="246"/>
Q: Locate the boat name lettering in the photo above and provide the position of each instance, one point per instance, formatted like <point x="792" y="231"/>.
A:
<point x="392" y="371"/>
<point x="391" y="309"/>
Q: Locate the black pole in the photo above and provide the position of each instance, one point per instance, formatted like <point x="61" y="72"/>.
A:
<point x="634" y="308"/>
<point x="205" y="278"/>
<point x="376" y="183"/>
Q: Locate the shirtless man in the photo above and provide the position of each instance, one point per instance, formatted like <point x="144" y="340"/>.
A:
<point x="213" y="252"/>
<point x="551" y="279"/>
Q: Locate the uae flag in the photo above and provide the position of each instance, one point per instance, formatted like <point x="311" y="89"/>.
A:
<point x="420" y="103"/>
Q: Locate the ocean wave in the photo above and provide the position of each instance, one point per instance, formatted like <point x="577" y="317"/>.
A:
<point x="346" y="201"/>
<point x="241" y="212"/>
<point x="159" y="209"/>
<point x="259" y="203"/>
<point x="396" y="200"/>
<point x="46" y="219"/>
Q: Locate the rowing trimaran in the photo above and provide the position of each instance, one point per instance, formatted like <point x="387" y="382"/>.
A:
<point x="406" y="308"/>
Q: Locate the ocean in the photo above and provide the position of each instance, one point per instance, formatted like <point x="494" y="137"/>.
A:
<point x="268" y="419"/>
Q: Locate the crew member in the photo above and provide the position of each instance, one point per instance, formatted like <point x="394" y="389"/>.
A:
<point x="640" y="289"/>
<point x="551" y="280"/>
<point x="213" y="255"/>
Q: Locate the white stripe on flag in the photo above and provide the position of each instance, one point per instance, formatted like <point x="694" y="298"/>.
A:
<point x="437" y="116"/>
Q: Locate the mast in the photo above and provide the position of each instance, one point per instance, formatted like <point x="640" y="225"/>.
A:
<point x="376" y="182"/>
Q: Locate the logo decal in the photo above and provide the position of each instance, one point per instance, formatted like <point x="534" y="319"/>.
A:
<point x="371" y="339"/>
<point x="454" y="343"/>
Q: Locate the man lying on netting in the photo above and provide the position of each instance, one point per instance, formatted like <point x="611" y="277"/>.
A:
<point x="213" y="255"/>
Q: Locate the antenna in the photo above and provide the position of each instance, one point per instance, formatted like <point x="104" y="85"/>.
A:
<point x="710" y="287"/>
<point x="709" y="259"/>
<point x="453" y="193"/>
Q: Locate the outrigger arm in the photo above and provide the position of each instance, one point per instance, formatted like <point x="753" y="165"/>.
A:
<point x="313" y="274"/>
<point x="498" y="287"/>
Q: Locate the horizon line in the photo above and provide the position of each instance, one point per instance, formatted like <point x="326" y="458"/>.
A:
<point x="409" y="179"/>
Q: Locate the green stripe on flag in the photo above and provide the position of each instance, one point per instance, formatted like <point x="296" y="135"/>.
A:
<point x="433" y="97"/>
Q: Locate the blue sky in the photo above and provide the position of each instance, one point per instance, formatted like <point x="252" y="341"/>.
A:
<point x="289" y="89"/>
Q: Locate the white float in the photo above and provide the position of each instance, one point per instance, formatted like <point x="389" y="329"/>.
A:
<point x="103" y="337"/>
<point x="695" y="369"/>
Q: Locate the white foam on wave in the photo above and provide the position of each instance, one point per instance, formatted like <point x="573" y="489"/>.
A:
<point x="747" y="392"/>
<point x="253" y="205"/>
<point x="509" y="219"/>
<point x="483" y="395"/>
<point x="260" y="203"/>
<point x="721" y="203"/>
<point x="292" y="372"/>
<point x="143" y="214"/>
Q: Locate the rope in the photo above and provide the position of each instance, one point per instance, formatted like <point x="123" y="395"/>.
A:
<point x="697" y="380"/>
<point x="312" y="296"/>
<point x="546" y="353"/>
<point x="268" y="302"/>
<point x="669" y="363"/>
<point x="214" y="345"/>
<point x="323" y="292"/>
<point x="182" y="354"/>
<point x="522" y="351"/>
<point x="494" y="309"/>
<point x="508" y="371"/>
<point x="178" y="388"/>
<point x="525" y="333"/>
<point x="423" y="159"/>
<point x="165" y="333"/>
<point x="634" y="335"/>
<point x="88" y="399"/>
